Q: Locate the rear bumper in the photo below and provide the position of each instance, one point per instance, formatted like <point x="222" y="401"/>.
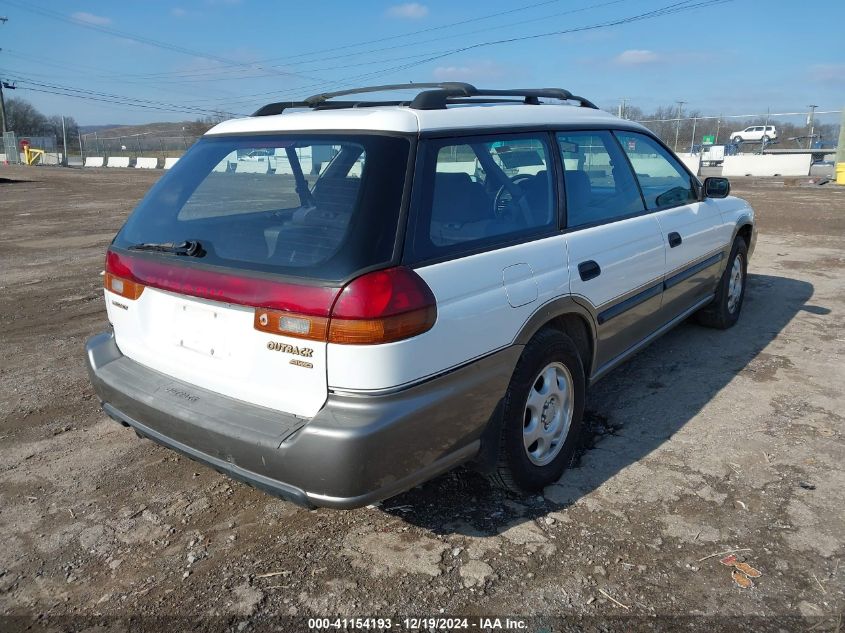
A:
<point x="358" y="449"/>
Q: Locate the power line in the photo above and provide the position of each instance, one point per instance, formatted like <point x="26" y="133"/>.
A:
<point x="420" y="31"/>
<point x="55" y="15"/>
<point x="92" y="95"/>
<point x="398" y="36"/>
<point x="404" y="45"/>
<point x="685" y="5"/>
<point x="464" y="34"/>
<point x="676" y="7"/>
<point x="199" y="76"/>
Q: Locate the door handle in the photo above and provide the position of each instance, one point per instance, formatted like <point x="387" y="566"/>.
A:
<point x="589" y="270"/>
<point x="674" y="239"/>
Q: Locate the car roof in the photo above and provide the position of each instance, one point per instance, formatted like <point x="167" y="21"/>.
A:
<point x="403" y="119"/>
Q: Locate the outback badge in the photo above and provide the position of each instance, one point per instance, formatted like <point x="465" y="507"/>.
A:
<point x="275" y="346"/>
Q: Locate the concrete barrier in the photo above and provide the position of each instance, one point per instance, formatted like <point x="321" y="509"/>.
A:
<point x="94" y="161"/>
<point x="227" y="164"/>
<point x="118" y="161"/>
<point x="169" y="162"/>
<point x="692" y="161"/>
<point x="252" y="167"/>
<point x="767" y="165"/>
<point x="50" y="158"/>
<point x="146" y="162"/>
<point x="281" y="165"/>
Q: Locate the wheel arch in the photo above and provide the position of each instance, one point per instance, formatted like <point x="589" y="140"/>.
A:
<point x="570" y="317"/>
<point x="745" y="231"/>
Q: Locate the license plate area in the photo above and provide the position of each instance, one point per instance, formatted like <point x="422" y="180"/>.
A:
<point x="201" y="329"/>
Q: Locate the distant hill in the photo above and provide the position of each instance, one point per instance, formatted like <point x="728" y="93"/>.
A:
<point x="170" y="128"/>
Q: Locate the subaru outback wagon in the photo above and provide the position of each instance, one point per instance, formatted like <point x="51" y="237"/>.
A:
<point x="400" y="287"/>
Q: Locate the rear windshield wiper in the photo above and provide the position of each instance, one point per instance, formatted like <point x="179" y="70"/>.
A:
<point x="191" y="248"/>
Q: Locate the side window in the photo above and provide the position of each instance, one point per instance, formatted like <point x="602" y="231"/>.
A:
<point x="663" y="181"/>
<point x="481" y="191"/>
<point x="598" y="182"/>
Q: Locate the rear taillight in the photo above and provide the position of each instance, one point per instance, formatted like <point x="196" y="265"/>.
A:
<point x="379" y="307"/>
<point x="118" y="278"/>
<point x="382" y="306"/>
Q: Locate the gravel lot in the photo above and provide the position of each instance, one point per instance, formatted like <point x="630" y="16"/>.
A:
<point x="708" y="441"/>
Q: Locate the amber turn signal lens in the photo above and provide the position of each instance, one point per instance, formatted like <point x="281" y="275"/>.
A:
<point x="291" y="324"/>
<point x="123" y="287"/>
<point x="384" y="330"/>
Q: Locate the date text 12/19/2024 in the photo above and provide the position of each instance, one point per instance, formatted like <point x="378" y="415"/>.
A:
<point x="418" y="624"/>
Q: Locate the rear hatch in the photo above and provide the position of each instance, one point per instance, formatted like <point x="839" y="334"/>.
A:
<point x="226" y="273"/>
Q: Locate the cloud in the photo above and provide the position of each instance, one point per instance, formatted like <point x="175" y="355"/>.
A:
<point x="471" y="71"/>
<point x="408" y="11"/>
<point x="90" y="18"/>
<point x="178" y="12"/>
<point x="635" y="57"/>
<point x="828" y="73"/>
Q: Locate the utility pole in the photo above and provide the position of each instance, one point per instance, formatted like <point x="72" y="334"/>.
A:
<point x="811" y="123"/>
<point x="2" y="109"/>
<point x="840" y="153"/>
<point x="763" y="142"/>
<point x="621" y="113"/>
<point x="678" y="122"/>
<point x="4" y="84"/>
<point x="64" y="142"/>
<point x="3" y="20"/>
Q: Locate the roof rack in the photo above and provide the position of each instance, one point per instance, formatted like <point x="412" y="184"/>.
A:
<point x="436" y="97"/>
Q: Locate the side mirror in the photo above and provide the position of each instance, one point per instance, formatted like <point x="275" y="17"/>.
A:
<point x="717" y="187"/>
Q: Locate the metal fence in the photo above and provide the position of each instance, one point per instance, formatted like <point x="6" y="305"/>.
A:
<point x="687" y="132"/>
<point x="135" y="145"/>
<point x="805" y="130"/>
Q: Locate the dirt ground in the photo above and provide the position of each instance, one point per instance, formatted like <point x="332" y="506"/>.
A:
<point x="706" y="442"/>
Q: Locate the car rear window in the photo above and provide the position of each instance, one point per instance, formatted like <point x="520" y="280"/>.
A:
<point x="314" y="206"/>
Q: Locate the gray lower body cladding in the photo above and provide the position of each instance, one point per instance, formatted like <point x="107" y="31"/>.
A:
<point x="357" y="449"/>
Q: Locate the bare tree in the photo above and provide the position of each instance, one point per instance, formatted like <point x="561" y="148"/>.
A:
<point x="23" y="118"/>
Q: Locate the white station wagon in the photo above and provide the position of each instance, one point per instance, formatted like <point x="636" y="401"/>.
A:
<point x="400" y="287"/>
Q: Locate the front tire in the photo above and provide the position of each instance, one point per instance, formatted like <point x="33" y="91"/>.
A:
<point x="724" y="311"/>
<point x="542" y="413"/>
<point x="737" y="140"/>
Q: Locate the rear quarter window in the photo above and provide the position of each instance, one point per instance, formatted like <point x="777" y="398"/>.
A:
<point x="475" y="193"/>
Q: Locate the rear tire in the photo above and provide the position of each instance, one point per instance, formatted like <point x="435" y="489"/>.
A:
<point x="542" y="412"/>
<point x="724" y="311"/>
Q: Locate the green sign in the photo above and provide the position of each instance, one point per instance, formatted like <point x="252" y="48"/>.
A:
<point x="708" y="139"/>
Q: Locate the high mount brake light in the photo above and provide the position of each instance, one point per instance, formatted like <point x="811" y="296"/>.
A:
<point x="378" y="307"/>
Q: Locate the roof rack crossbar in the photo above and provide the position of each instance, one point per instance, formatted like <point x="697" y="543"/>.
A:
<point x="438" y="99"/>
<point x="436" y="96"/>
<point x="452" y="86"/>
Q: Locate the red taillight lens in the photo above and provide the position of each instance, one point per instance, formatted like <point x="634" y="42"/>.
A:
<point x="379" y="307"/>
<point x="118" y="279"/>
<point x="382" y="306"/>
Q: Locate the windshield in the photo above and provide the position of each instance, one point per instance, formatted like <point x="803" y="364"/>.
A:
<point x="317" y="206"/>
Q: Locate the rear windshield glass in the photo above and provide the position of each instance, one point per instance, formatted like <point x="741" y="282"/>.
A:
<point x="318" y="206"/>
